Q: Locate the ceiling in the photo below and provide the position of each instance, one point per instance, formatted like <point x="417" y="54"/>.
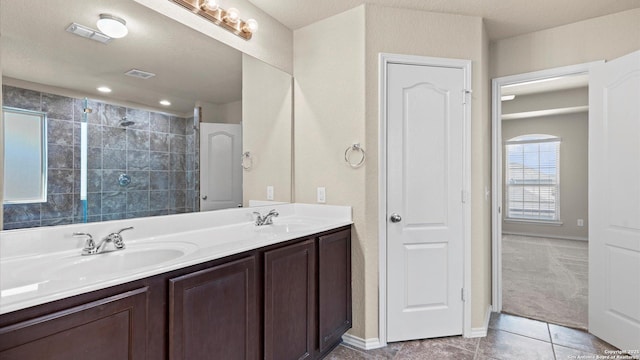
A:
<point x="503" y="18"/>
<point x="189" y="66"/>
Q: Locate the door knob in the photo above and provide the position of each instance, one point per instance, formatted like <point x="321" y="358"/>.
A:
<point x="395" y="218"/>
<point x="204" y="197"/>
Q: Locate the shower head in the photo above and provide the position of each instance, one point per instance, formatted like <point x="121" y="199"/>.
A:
<point x="124" y="122"/>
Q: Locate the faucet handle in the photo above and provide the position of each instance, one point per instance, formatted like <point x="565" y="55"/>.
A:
<point x="258" y="218"/>
<point x="116" y="238"/>
<point x="89" y="245"/>
<point x="127" y="228"/>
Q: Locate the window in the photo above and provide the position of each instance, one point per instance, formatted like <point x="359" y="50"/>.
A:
<point x="532" y="178"/>
<point x="25" y="156"/>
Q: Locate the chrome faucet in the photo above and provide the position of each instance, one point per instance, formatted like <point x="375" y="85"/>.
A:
<point x="267" y="219"/>
<point x="90" y="247"/>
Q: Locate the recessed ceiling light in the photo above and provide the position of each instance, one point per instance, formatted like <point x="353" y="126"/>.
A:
<point x="165" y="102"/>
<point x="104" y="89"/>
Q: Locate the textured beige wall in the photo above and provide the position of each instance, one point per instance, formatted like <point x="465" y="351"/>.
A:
<point x="573" y="130"/>
<point x="402" y="31"/>
<point x="272" y="43"/>
<point x="229" y="113"/>
<point x="266" y="130"/>
<point x="336" y="97"/>
<point x="602" y="38"/>
<point x="329" y="116"/>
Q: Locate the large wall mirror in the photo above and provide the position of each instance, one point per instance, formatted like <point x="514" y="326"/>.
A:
<point x="123" y="154"/>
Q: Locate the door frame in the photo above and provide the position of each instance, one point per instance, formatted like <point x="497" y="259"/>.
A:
<point x="496" y="162"/>
<point x="465" y="65"/>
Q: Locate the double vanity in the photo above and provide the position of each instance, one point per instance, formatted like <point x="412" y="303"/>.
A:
<point x="210" y="285"/>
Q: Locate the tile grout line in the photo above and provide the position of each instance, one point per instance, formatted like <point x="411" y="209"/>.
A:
<point x="553" y="348"/>
<point x="475" y="354"/>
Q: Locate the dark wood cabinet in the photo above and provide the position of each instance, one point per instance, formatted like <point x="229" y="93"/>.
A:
<point x="213" y="313"/>
<point x="114" y="327"/>
<point x="286" y="301"/>
<point x="334" y="288"/>
<point x="289" y="301"/>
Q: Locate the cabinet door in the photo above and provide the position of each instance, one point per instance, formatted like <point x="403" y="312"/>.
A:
<point x="334" y="287"/>
<point x="289" y="302"/>
<point x="213" y="313"/>
<point x="111" y="328"/>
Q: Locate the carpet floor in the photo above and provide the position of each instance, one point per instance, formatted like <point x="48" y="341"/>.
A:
<point x="545" y="279"/>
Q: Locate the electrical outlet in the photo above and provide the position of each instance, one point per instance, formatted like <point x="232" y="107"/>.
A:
<point x="269" y="192"/>
<point x="580" y="222"/>
<point x="322" y="195"/>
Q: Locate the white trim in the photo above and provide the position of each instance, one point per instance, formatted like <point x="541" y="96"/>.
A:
<point x="496" y="161"/>
<point x="482" y="331"/>
<point x="533" y="222"/>
<point x="465" y="65"/>
<point x="546" y="112"/>
<point x="364" y="344"/>
<point x="579" y="238"/>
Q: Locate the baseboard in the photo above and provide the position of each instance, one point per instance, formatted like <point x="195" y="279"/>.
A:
<point x="374" y="343"/>
<point x="482" y="331"/>
<point x="368" y="344"/>
<point x="579" y="238"/>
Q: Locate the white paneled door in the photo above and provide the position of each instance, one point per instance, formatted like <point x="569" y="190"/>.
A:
<point x="614" y="201"/>
<point x="425" y="217"/>
<point x="220" y="166"/>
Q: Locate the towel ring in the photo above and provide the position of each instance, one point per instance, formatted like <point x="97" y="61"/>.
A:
<point x="349" y="152"/>
<point x="246" y="160"/>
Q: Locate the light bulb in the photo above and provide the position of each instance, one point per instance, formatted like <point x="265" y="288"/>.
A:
<point x="112" y="26"/>
<point x="210" y="5"/>
<point x="232" y="15"/>
<point x="250" y="26"/>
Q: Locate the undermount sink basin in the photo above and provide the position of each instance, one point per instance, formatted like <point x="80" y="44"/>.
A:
<point x="90" y="267"/>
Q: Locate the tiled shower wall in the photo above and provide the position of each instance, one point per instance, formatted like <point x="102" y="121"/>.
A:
<point x="159" y="152"/>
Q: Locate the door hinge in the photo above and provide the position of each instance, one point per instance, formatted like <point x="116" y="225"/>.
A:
<point x="463" y="196"/>
<point x="462" y="294"/>
<point x="465" y="92"/>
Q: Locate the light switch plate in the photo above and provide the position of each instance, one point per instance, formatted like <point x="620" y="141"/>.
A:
<point x="322" y="195"/>
<point x="270" y="192"/>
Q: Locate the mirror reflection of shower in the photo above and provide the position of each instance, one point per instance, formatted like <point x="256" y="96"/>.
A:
<point x="126" y="123"/>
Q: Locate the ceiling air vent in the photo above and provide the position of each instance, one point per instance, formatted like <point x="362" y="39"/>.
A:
<point x="140" y="74"/>
<point x="88" y="33"/>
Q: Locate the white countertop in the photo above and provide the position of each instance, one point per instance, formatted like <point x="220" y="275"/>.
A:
<point x="44" y="264"/>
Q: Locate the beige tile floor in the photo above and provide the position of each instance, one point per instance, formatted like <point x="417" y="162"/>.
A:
<point x="509" y="338"/>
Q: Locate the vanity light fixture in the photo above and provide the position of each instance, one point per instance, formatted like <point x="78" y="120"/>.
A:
<point x="227" y="19"/>
<point x="104" y="89"/>
<point x="112" y="26"/>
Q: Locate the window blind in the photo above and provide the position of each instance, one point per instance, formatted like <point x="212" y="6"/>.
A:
<point x="533" y="178"/>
